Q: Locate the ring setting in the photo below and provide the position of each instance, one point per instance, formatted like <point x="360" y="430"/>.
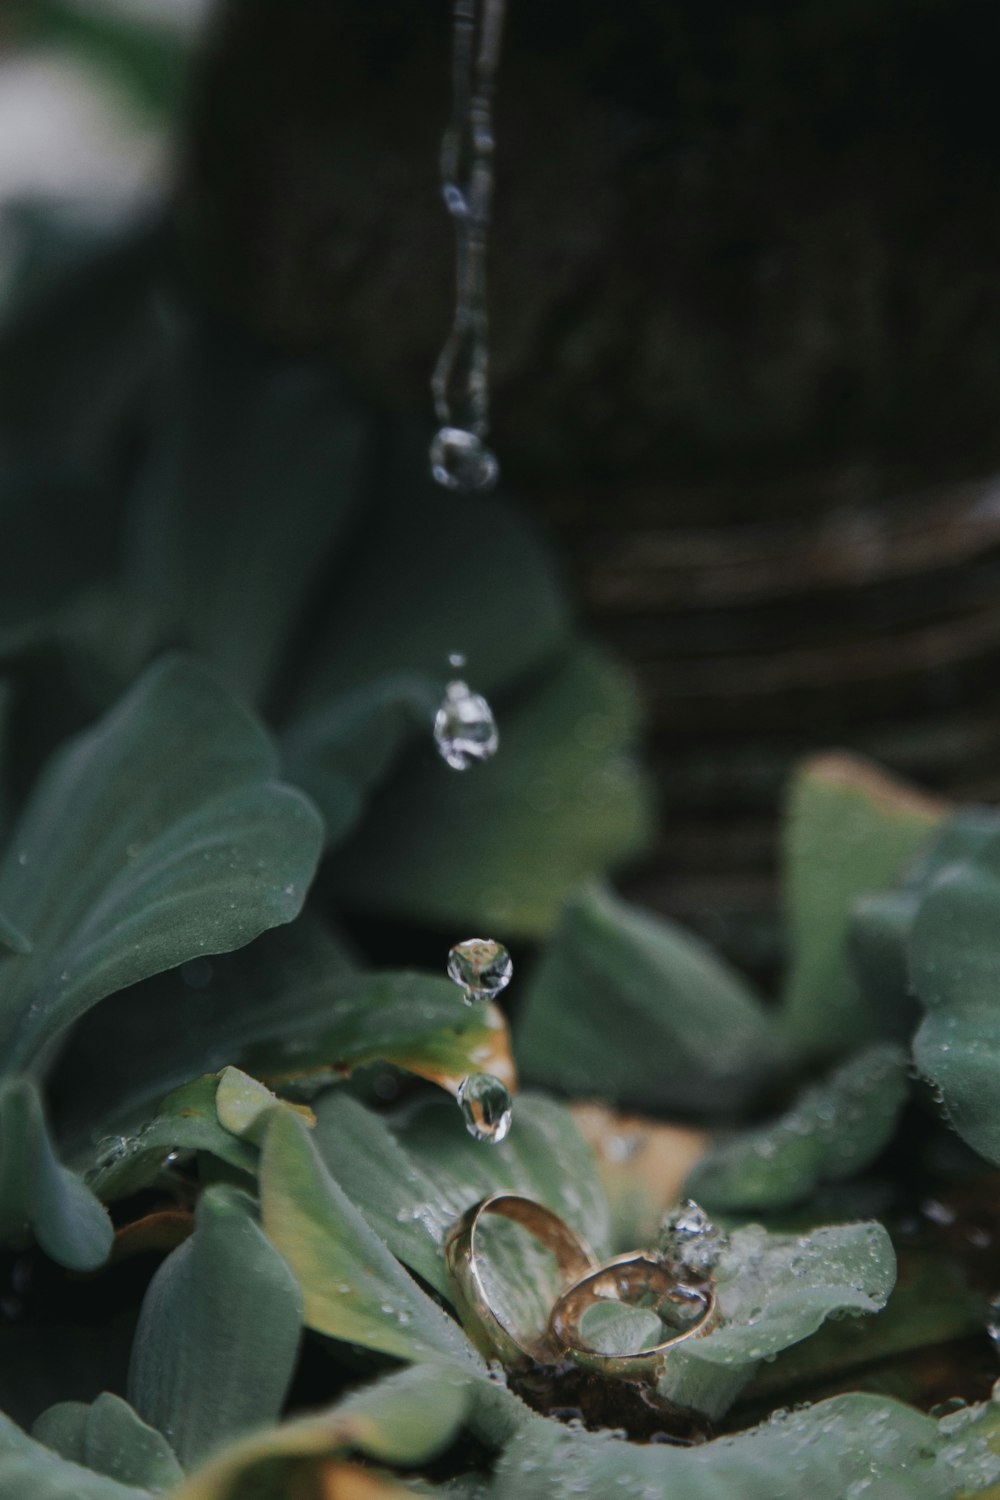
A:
<point x="675" y="1283"/>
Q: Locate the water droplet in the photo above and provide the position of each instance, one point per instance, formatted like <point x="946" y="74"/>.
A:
<point x="22" y="857"/>
<point x="993" y="1321"/>
<point x="481" y="966"/>
<point x="486" y="1107"/>
<point x="461" y="461"/>
<point x="689" y="1241"/>
<point x="464" y="728"/>
<point x="110" y="1150"/>
<point x="456" y="659"/>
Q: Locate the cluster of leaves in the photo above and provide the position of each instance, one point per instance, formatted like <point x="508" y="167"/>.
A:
<point x="226" y="669"/>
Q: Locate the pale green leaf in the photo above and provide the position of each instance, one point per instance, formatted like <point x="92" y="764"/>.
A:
<point x="109" y="1437"/>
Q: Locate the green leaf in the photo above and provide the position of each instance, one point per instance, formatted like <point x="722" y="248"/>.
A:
<point x="453" y="848"/>
<point x="109" y="1437"/>
<point x="158" y="835"/>
<point x="411" y="1183"/>
<point x="833" y="1131"/>
<point x="218" y="1332"/>
<point x="954" y="954"/>
<point x="12" y="938"/>
<point x="624" y="1005"/>
<point x="187" y="1120"/>
<point x="404" y="1420"/>
<point x="850" y="830"/>
<point x="843" y="1449"/>
<point x="429" y="575"/>
<point x="773" y="1291"/>
<point x="31" y="1471"/>
<point x="253" y="474"/>
<point x="354" y="1289"/>
<point x="37" y="1193"/>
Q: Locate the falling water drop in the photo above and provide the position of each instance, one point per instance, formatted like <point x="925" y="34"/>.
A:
<point x="993" y="1321"/>
<point x="464" y="727"/>
<point x="456" y="659"/>
<point x="460" y="383"/>
<point x="486" y="1107"/>
<point x="481" y="966"/>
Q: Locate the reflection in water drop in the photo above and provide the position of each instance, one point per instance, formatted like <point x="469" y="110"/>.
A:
<point x="486" y="1107"/>
<point x="461" y="461"/>
<point x="481" y="966"/>
<point x="464" y="727"/>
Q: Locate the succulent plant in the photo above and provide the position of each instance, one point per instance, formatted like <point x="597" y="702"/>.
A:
<point x="228" y="1162"/>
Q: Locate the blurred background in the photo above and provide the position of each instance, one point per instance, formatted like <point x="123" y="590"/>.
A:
<point x="746" y="331"/>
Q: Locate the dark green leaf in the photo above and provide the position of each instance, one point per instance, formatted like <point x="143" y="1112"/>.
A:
<point x="405" y="1420"/>
<point x="109" y="1437"/>
<point x="625" y="1005"/>
<point x="850" y="830"/>
<point x="218" y="1333"/>
<point x="158" y="835"/>
<point x="850" y="1448"/>
<point x="451" y="847"/>
<point x="833" y="1131"/>
<point x="31" y="1471"/>
<point x="773" y="1291"/>
<point x="954" y="961"/>
<point x="253" y="475"/>
<point x="354" y="1289"/>
<point x="37" y="1193"/>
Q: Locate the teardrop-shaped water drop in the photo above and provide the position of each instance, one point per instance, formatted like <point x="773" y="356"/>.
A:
<point x="993" y="1320"/>
<point x="461" y="461"/>
<point x="481" y="966"/>
<point x="486" y="1107"/>
<point x="464" y="727"/>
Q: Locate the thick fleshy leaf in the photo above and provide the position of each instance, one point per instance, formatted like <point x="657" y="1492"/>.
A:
<point x="428" y="576"/>
<point x="31" y="1471"/>
<point x="833" y="1130"/>
<point x="353" y="1287"/>
<point x="954" y="954"/>
<point x="411" y="1183"/>
<point x="450" y="847"/>
<point x="186" y="1121"/>
<point x="253" y="475"/>
<point x="775" y="1290"/>
<point x="243" y="1105"/>
<point x="847" y="1448"/>
<point x="624" y="1005"/>
<point x="38" y="1194"/>
<point x="341" y="750"/>
<point x="850" y="829"/>
<point x="218" y="1333"/>
<point x="109" y="1437"/>
<point x="881" y="923"/>
<point x="157" y="836"/>
<point x="404" y="1420"/>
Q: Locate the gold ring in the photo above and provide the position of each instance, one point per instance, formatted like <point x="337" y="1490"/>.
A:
<point x="636" y="1279"/>
<point x="485" y="1327"/>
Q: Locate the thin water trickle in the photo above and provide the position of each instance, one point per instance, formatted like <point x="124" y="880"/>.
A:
<point x="465" y="730"/>
<point x="482" y="967"/>
<point x="486" y="1107"/>
<point x="460" y="383"/>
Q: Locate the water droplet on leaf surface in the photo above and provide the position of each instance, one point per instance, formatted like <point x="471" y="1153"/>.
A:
<point x="689" y="1240"/>
<point x="993" y="1321"/>
<point x="464" y="728"/>
<point x="461" y="461"/>
<point x="486" y="1107"/>
<point x="481" y="966"/>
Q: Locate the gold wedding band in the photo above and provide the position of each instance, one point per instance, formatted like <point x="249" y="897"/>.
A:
<point x="481" y="1321"/>
<point x="627" y="1279"/>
